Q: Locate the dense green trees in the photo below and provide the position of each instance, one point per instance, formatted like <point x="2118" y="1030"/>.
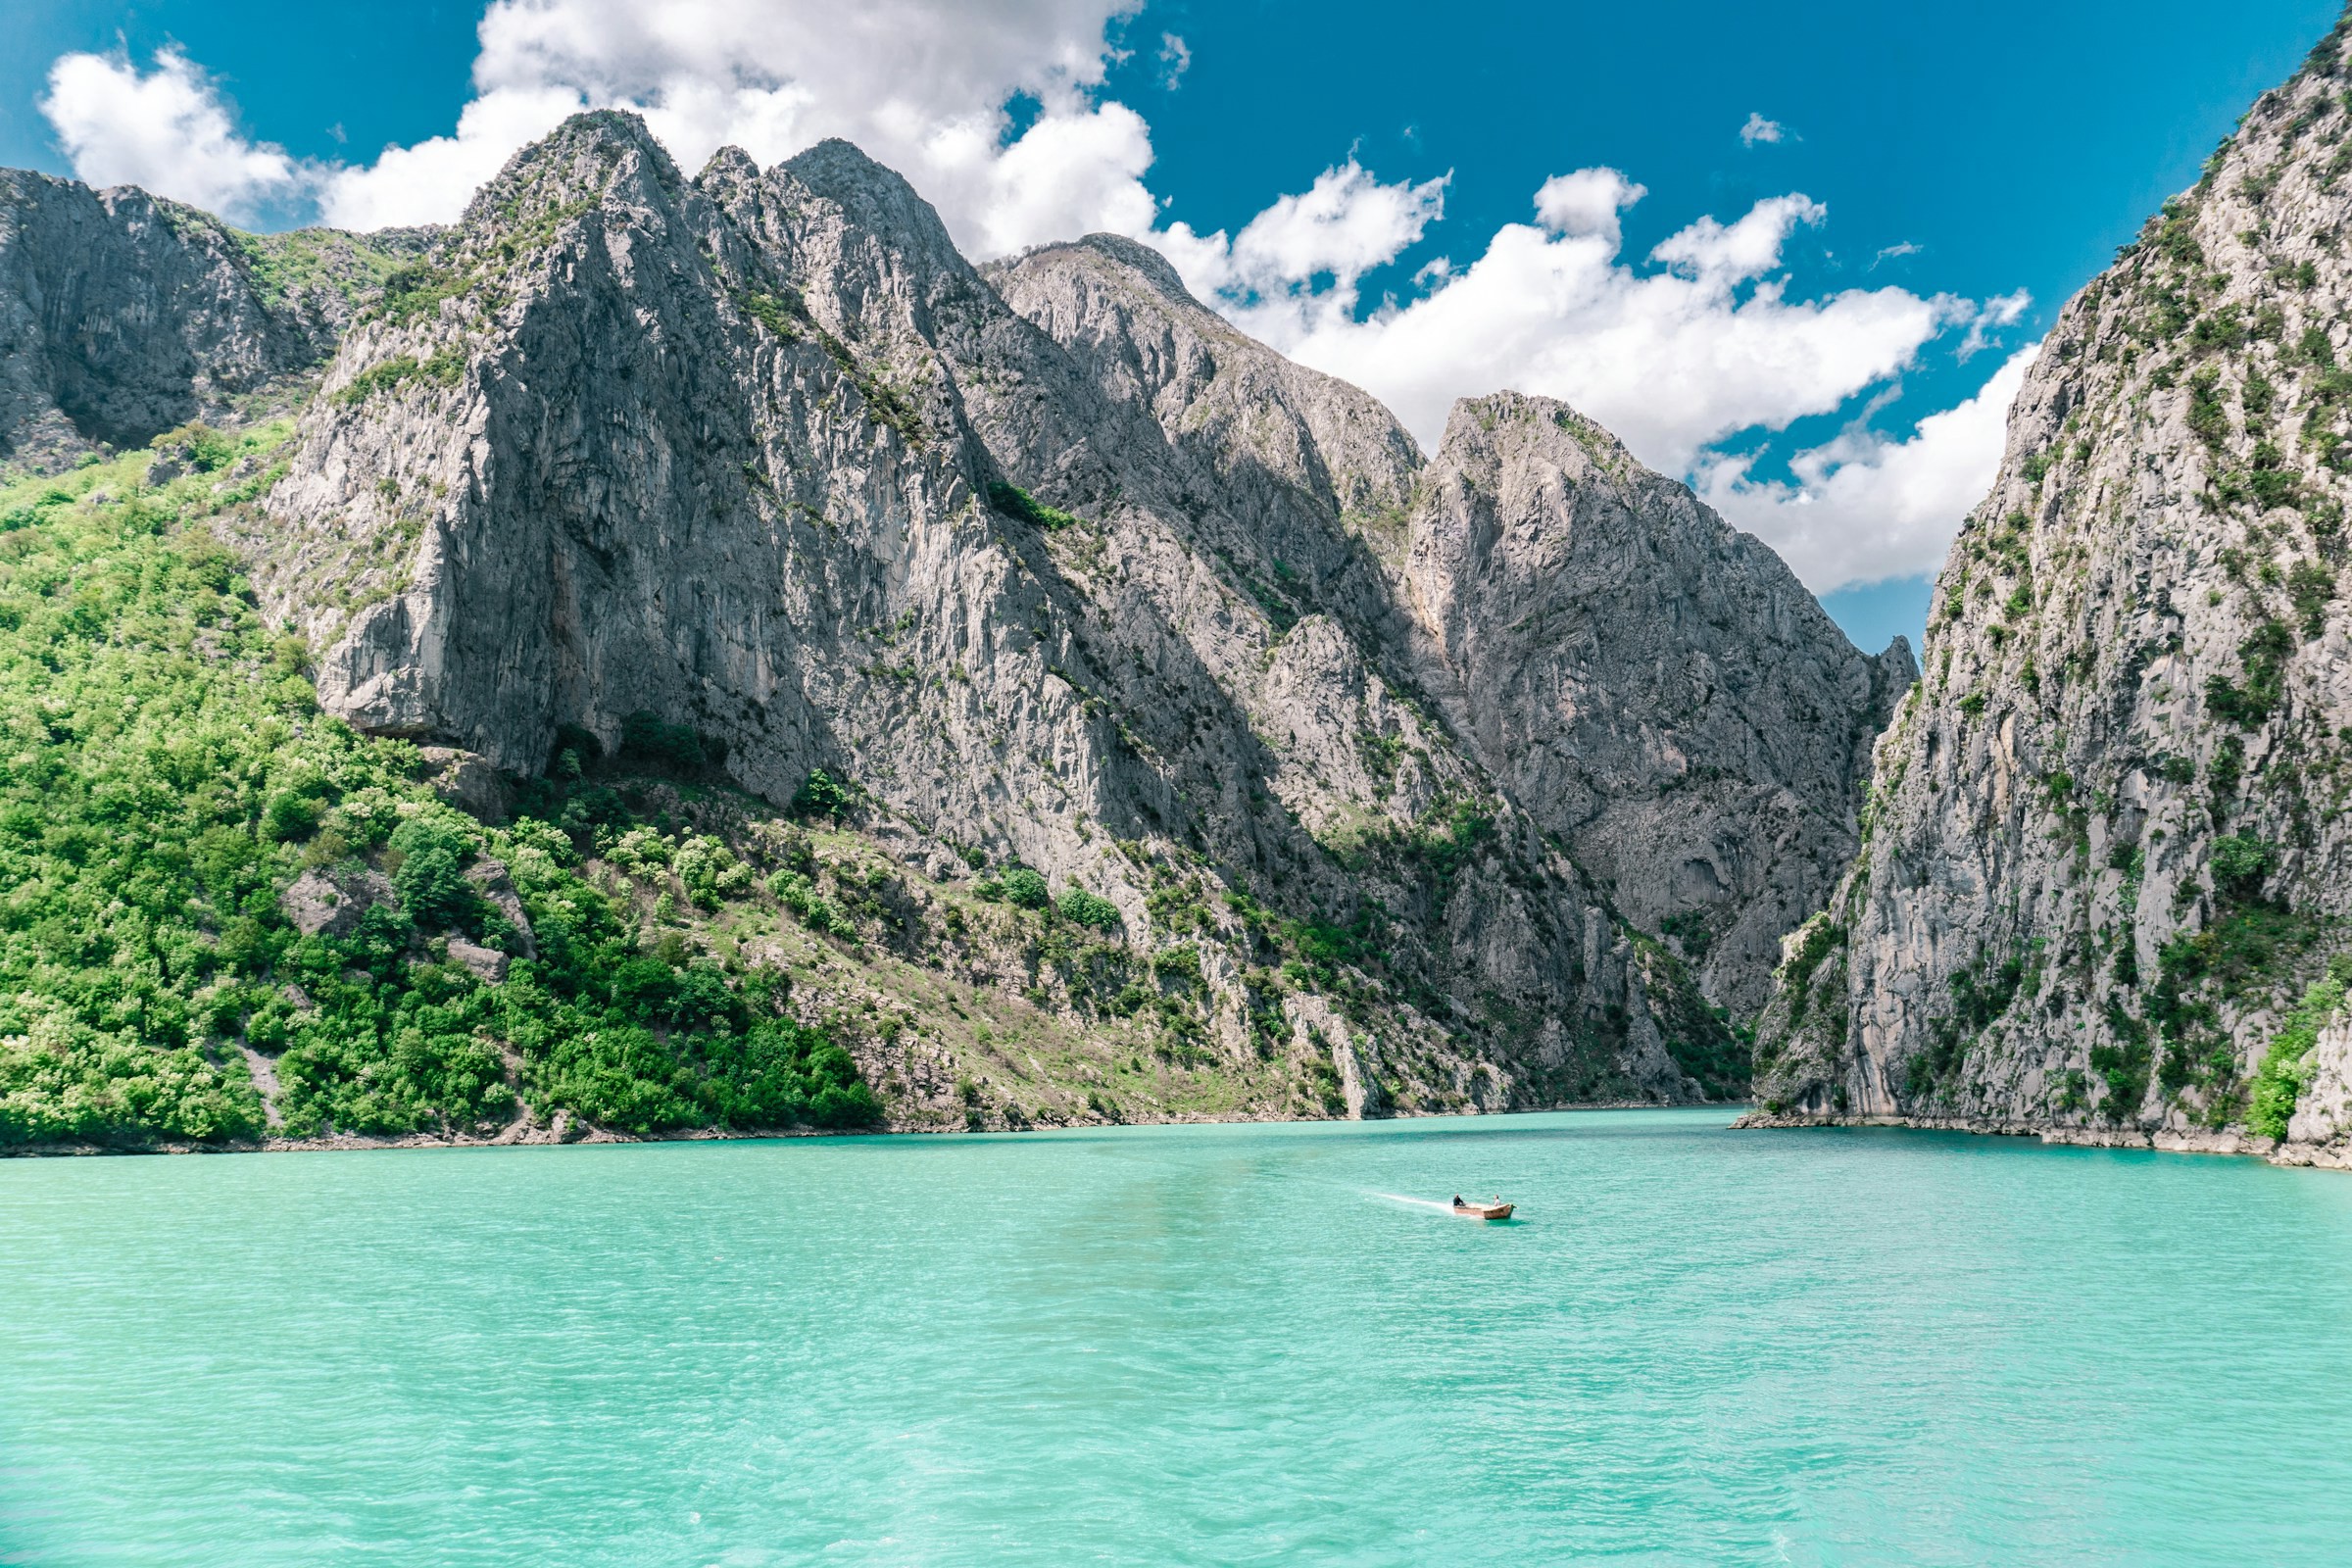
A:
<point x="164" y="773"/>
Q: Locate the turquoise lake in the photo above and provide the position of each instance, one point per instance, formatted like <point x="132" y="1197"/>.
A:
<point x="1198" y="1345"/>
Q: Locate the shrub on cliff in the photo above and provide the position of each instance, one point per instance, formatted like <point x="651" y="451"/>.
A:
<point x="1081" y="908"/>
<point x="821" y="795"/>
<point x="1015" y="502"/>
<point x="2286" y="1068"/>
<point x="1025" y="888"/>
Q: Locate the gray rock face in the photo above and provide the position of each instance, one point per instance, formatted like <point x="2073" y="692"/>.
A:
<point x="1651" y="684"/>
<point x="332" y="900"/>
<point x="2105" y="849"/>
<point x="465" y="781"/>
<point x="1305" y="459"/>
<point x="488" y="964"/>
<point x="1094" y="583"/>
<point x="1648" y="683"/>
<point x="490" y="879"/>
<point x="2322" y="1117"/>
<point x="123" y="316"/>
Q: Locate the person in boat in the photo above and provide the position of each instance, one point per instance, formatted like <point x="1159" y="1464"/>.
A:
<point x="1457" y="1201"/>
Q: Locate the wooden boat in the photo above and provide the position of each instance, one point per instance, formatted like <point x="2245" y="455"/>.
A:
<point x="1495" y="1210"/>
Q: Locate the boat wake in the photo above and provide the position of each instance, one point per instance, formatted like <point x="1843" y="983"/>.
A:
<point x="1416" y="1202"/>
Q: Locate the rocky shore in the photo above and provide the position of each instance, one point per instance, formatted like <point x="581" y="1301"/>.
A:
<point x="2335" y="1155"/>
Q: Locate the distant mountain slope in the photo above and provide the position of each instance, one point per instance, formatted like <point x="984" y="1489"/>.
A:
<point x="1656" y="688"/>
<point x="756" y="454"/>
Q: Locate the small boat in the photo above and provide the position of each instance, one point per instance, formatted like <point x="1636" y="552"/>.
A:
<point x="1497" y="1209"/>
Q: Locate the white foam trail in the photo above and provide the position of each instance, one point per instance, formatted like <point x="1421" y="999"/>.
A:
<point x="1417" y="1203"/>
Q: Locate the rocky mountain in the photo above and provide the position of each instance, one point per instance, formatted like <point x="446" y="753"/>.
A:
<point x="1036" y="636"/>
<point x="123" y="316"/>
<point x="2103" y="891"/>
<point x="1655" y="688"/>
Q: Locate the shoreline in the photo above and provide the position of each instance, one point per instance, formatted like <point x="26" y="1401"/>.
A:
<point x="2163" y="1141"/>
<point x="564" y="1131"/>
<point x="561" y="1132"/>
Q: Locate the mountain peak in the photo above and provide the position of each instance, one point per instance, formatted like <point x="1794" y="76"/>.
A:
<point x="1143" y="259"/>
<point x="843" y="173"/>
<point x="595" y="155"/>
<point x="730" y="166"/>
<point x="876" y="198"/>
<point x="1548" y="428"/>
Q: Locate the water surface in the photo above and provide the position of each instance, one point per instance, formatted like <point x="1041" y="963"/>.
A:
<point x="1209" y="1344"/>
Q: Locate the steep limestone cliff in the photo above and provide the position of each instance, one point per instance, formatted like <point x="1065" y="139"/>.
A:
<point x="1655" y="687"/>
<point x="1652" y="687"/>
<point x="123" y="316"/>
<point x="760" y="456"/>
<point x="2106" y="856"/>
<point x="1250" y="760"/>
<point x="1303" y="454"/>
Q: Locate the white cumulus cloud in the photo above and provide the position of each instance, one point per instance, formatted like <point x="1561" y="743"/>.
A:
<point x="920" y="84"/>
<point x="1685" y="351"/>
<point x="2000" y="311"/>
<point x="1339" y="228"/>
<point x="166" y="130"/>
<point x="1701" y="345"/>
<point x="1587" y="203"/>
<point x="1731" y="252"/>
<point x="1866" y="508"/>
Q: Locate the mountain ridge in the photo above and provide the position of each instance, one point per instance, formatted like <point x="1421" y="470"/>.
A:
<point x="1113" y="691"/>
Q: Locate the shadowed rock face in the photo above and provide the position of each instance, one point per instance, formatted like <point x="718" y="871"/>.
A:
<point x="1649" y="685"/>
<point x="2106" y="850"/>
<point x="1652" y="685"/>
<point x="1283" y="443"/>
<point x="1057" y="565"/>
<point x="121" y="316"/>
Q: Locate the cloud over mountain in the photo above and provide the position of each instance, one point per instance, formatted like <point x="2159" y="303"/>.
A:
<point x="163" y="129"/>
<point x="1678" y="351"/>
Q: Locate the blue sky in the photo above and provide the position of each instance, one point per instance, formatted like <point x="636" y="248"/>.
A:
<point x="1948" y="156"/>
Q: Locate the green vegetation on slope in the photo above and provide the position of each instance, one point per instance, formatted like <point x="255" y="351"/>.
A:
<point x="1015" y="502"/>
<point x="285" y="267"/>
<point x="165" y="775"/>
<point x="2286" y="1068"/>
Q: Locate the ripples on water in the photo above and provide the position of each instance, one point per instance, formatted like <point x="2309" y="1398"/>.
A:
<point x="1205" y="1345"/>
